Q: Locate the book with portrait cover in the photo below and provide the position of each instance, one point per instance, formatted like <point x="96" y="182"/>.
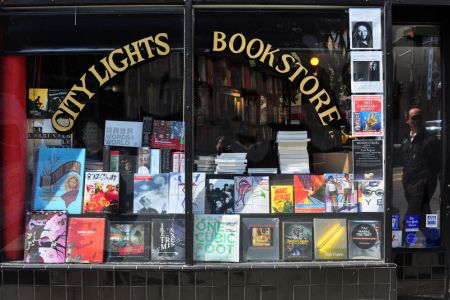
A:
<point x="282" y="194"/>
<point x="85" y="240"/>
<point x="297" y="240"/>
<point x="309" y="193"/>
<point x="260" y="239"/>
<point x="168" y="240"/>
<point x="127" y="164"/>
<point x="59" y="179"/>
<point x="128" y="241"/>
<point x="151" y="194"/>
<point x="339" y="193"/>
<point x="216" y="238"/>
<point x="177" y="193"/>
<point x="330" y="239"/>
<point x="364" y="239"/>
<point x="45" y="237"/>
<point x="167" y="134"/>
<point x="101" y="193"/>
<point x="42" y="103"/>
<point x="251" y="194"/>
<point x="371" y="196"/>
<point x="220" y="195"/>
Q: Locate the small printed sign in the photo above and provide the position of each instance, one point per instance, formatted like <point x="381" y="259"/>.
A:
<point x="395" y="221"/>
<point x="396" y="238"/>
<point x="122" y="133"/>
<point x="412" y="223"/>
<point x="411" y="239"/>
<point x="431" y="221"/>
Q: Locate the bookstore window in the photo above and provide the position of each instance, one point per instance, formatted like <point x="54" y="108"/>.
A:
<point x="96" y="137"/>
<point x="288" y="135"/>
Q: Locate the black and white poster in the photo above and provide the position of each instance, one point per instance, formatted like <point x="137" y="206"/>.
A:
<point x="365" y="28"/>
<point x="367" y="71"/>
<point x="368" y="159"/>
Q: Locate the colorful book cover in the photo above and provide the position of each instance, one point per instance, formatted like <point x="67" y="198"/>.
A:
<point x="151" y="194"/>
<point x="309" y="193"/>
<point x="177" y="193"/>
<point x="367" y="115"/>
<point x="216" y="238"/>
<point x="371" y="196"/>
<point x="330" y="239"/>
<point x="85" y="240"/>
<point x="101" y="194"/>
<point x="364" y="239"/>
<point x="59" y="179"/>
<point x="297" y="240"/>
<point x="339" y="193"/>
<point x="42" y="103"/>
<point x="128" y="241"/>
<point x="40" y="134"/>
<point x="220" y="195"/>
<point x="168" y="240"/>
<point x="167" y="134"/>
<point x="45" y="237"/>
<point x="260" y="239"/>
<point x="251" y="194"/>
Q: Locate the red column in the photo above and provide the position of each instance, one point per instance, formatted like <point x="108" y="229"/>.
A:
<point x="13" y="171"/>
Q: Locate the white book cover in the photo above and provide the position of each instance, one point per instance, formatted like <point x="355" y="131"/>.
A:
<point x="177" y="196"/>
<point x="371" y="196"/>
<point x="123" y="133"/>
<point x="216" y="238"/>
<point x="151" y="194"/>
<point x="155" y="157"/>
<point x="251" y="194"/>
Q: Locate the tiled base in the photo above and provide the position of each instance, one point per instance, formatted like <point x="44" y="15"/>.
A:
<point x="297" y="284"/>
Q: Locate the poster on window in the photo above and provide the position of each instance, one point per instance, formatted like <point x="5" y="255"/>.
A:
<point x="367" y="115"/>
<point x="367" y="159"/>
<point x="366" y="71"/>
<point x="365" y="28"/>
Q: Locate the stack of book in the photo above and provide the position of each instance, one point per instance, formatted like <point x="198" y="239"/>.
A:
<point x="292" y="152"/>
<point x="262" y="170"/>
<point x="206" y="163"/>
<point x="231" y="163"/>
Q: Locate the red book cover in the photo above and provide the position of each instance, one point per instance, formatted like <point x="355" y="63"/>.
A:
<point x="85" y="240"/>
<point x="168" y="134"/>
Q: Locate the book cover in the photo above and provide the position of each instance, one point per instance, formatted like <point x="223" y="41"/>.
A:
<point x="147" y="131"/>
<point x="177" y="193"/>
<point x="167" y="134"/>
<point x="151" y="194"/>
<point x="40" y="134"/>
<point x="101" y="194"/>
<point x="128" y="241"/>
<point x="155" y="163"/>
<point x="367" y="115"/>
<point x="364" y="239"/>
<point x="45" y="237"/>
<point x="339" y="193"/>
<point x="367" y="159"/>
<point x="166" y="160"/>
<point x="85" y="240"/>
<point x="114" y="160"/>
<point x="220" y="195"/>
<point x="126" y="195"/>
<point x="127" y="164"/>
<point x="297" y="240"/>
<point x="309" y="193"/>
<point x="168" y="240"/>
<point x="260" y="239"/>
<point x="282" y="194"/>
<point x="43" y="103"/>
<point x="330" y="239"/>
<point x="371" y="196"/>
<point x="59" y="179"/>
<point x="251" y="194"/>
<point x="178" y="162"/>
<point x="216" y="238"/>
<point x="144" y="161"/>
<point x="123" y="133"/>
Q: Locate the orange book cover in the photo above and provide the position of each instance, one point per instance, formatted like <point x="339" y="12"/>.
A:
<point x="85" y="240"/>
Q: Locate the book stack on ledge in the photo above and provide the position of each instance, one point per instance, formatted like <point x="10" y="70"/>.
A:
<point x="292" y="152"/>
<point x="262" y="170"/>
<point x="206" y="163"/>
<point x="231" y="163"/>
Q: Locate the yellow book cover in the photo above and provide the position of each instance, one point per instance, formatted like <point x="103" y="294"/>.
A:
<point x="330" y="239"/>
<point x="282" y="198"/>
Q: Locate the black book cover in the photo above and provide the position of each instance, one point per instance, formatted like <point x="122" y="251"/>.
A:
<point x="128" y="241"/>
<point x="168" y="241"/>
<point x="126" y="196"/>
<point x="297" y="240"/>
<point x="261" y="239"/>
<point x="127" y="164"/>
<point x="147" y="130"/>
<point x="166" y="160"/>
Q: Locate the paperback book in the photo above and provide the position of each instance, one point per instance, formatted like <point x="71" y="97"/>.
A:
<point x="260" y="239"/>
<point x="128" y="241"/>
<point x="339" y="193"/>
<point x="151" y="194"/>
<point x="177" y="195"/>
<point x="330" y="239"/>
<point x="309" y="193"/>
<point x="297" y="240"/>
<point x="220" y="195"/>
<point x="216" y="238"/>
<point x="101" y="192"/>
<point x="371" y="196"/>
<point x="59" y="179"/>
<point x="168" y="240"/>
<point x="85" y="240"/>
<point x="168" y="134"/>
<point x="364" y="239"/>
<point x="251" y="194"/>
<point x="282" y="194"/>
<point x="45" y="237"/>
<point x="43" y="103"/>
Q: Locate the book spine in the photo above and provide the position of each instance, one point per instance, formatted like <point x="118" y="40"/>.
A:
<point x="106" y="158"/>
<point x="147" y="130"/>
<point x="114" y="161"/>
<point x="176" y="162"/>
<point x="155" y="157"/>
<point x="165" y="160"/>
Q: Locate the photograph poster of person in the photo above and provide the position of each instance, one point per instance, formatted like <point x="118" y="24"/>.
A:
<point x="367" y="71"/>
<point x="365" y="26"/>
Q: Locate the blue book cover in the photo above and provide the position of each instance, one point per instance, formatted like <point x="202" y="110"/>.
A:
<point x="59" y="179"/>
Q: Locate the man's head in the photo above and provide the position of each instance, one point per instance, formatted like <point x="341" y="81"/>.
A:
<point x="362" y="32"/>
<point x="414" y="118"/>
<point x="373" y="65"/>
